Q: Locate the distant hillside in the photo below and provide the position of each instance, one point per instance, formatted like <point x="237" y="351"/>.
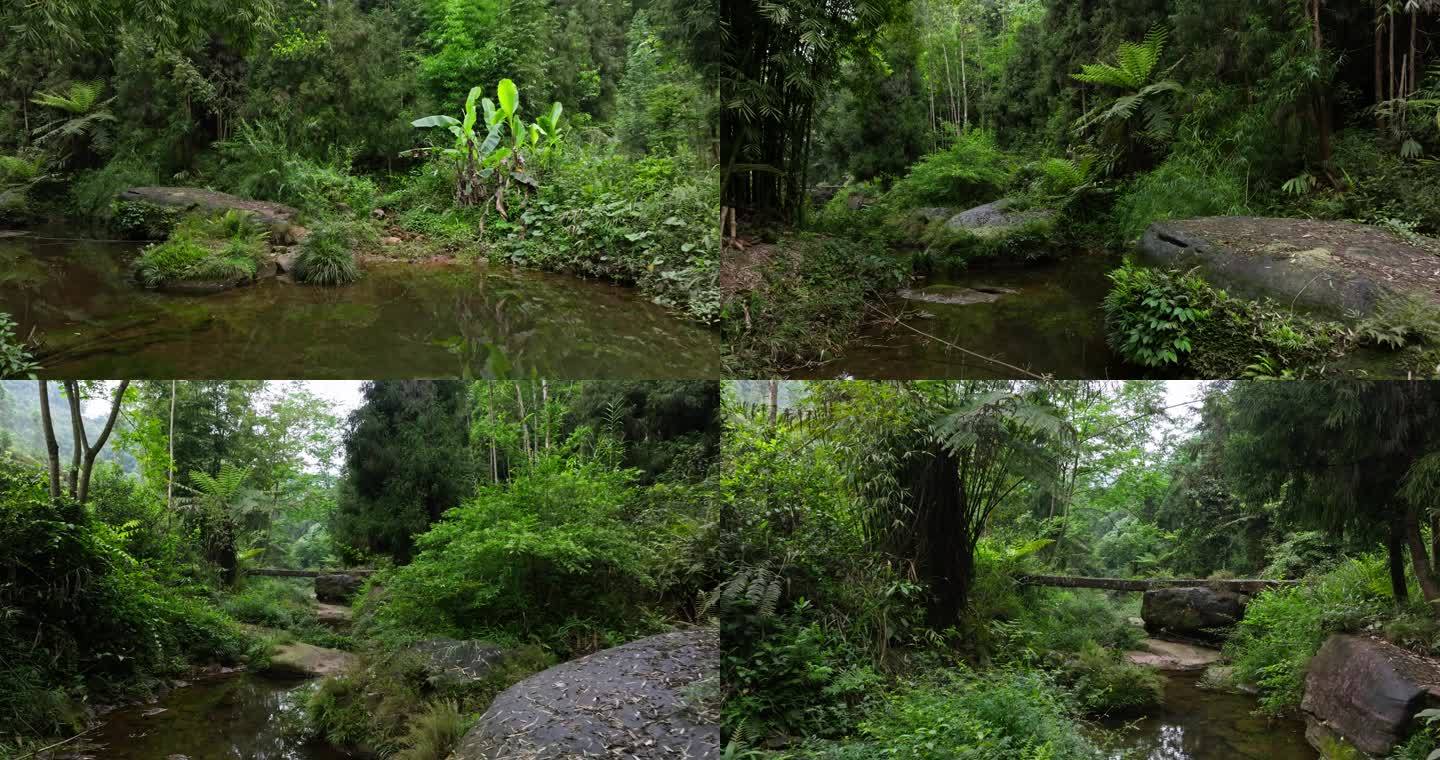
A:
<point x="20" y="424"/>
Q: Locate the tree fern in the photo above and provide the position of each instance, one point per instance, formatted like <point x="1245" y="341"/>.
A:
<point x="1136" y="69"/>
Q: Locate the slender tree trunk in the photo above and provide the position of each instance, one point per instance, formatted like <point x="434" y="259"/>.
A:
<point x="1419" y="557"/>
<point x="1379" y="66"/>
<point x="170" y="477"/>
<point x="950" y="86"/>
<point x="774" y="401"/>
<point x="964" y="85"/>
<point x="1391" y="62"/>
<point x="52" y="449"/>
<point x="92" y="451"/>
<point x="1395" y="548"/>
<point x="934" y="130"/>
<point x="77" y="433"/>
<point x="545" y="409"/>
<point x="494" y="456"/>
<point x="524" y="427"/>
<point x="1414" y="68"/>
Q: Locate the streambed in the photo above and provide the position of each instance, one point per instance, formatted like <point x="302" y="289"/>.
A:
<point x="235" y="717"/>
<point x="1045" y="318"/>
<point x="399" y="320"/>
<point x="1200" y="724"/>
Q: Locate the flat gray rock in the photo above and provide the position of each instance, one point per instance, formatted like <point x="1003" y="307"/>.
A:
<point x="996" y="218"/>
<point x="1338" y="268"/>
<point x="957" y="295"/>
<point x="636" y="702"/>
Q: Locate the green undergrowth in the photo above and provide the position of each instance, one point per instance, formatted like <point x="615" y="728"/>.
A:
<point x="811" y="299"/>
<point x="286" y="606"/>
<point x="389" y="704"/>
<point x="327" y="256"/>
<point x="1177" y="321"/>
<point x="87" y="618"/>
<point x="219" y="248"/>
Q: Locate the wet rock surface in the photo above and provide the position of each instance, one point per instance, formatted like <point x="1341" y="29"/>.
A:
<point x="1193" y="611"/>
<point x="1332" y="267"/>
<point x="306" y="661"/>
<point x="1366" y="692"/>
<point x="1173" y="655"/>
<point x="635" y="701"/>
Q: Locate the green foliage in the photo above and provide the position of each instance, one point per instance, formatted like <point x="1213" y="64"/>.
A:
<point x="259" y="162"/>
<point x="326" y="258"/>
<point x="84" y="116"/>
<point x="1151" y="314"/>
<point x="227" y="247"/>
<point x="665" y="108"/>
<point x="811" y="298"/>
<point x="1005" y="714"/>
<point x="1399" y="321"/>
<point x="1185" y="186"/>
<point x="533" y="555"/>
<point x="953" y="250"/>
<point x="81" y="611"/>
<point x="15" y="359"/>
<point x="271" y="602"/>
<point x="972" y="171"/>
<point x="1105" y="683"/>
<point x="1146" y="95"/>
<point x="1283" y="628"/>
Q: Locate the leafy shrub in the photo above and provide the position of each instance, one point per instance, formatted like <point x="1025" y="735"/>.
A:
<point x="270" y="602"/>
<point x="15" y="359"/>
<point x="144" y="221"/>
<point x="950" y="250"/>
<point x="259" y="162"/>
<point x="1184" y="186"/>
<point x="547" y="553"/>
<point x="81" y="611"/>
<point x="93" y="193"/>
<point x="1004" y="714"/>
<point x="326" y="258"/>
<point x="812" y="299"/>
<point x="1105" y="683"/>
<point x="970" y="172"/>
<point x="1151" y="314"/>
<point x="1284" y="627"/>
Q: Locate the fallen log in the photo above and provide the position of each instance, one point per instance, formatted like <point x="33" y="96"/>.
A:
<point x="284" y="573"/>
<point x="1239" y="585"/>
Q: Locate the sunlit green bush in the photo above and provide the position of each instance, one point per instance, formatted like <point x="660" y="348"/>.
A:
<point x="326" y="258"/>
<point x="1183" y="187"/>
<point x="972" y="171"/>
<point x="205" y="249"/>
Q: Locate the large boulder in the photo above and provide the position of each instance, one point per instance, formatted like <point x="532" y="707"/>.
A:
<point x="448" y="661"/>
<point x="1366" y="692"/>
<point x="337" y="588"/>
<point x="302" y="660"/>
<point x="1191" y="611"/>
<point x="281" y="219"/>
<point x="632" y="701"/>
<point x="1332" y="267"/>
<point x="996" y="219"/>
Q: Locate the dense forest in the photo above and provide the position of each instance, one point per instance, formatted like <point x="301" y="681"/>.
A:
<point x="567" y="136"/>
<point x="1141" y="569"/>
<point x="466" y="535"/>
<point x="937" y="145"/>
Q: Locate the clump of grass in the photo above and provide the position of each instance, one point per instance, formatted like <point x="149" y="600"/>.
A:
<point x="326" y="258"/>
<point x="435" y="732"/>
<point x="205" y="249"/>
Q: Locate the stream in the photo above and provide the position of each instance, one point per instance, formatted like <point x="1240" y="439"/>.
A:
<point x="234" y="717"/>
<point x="400" y="320"/>
<point x="1051" y="325"/>
<point x="1199" y="724"/>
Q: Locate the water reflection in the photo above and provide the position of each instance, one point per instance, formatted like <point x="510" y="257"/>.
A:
<point x="1052" y="325"/>
<point x="239" y="717"/>
<point x="400" y="320"/>
<point x="1197" y="724"/>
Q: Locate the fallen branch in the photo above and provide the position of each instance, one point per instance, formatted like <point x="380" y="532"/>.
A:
<point x="56" y="744"/>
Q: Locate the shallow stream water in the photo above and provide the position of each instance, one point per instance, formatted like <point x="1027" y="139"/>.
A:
<point x="234" y="717"/>
<point x="1199" y="724"/>
<point x="1051" y="325"/>
<point x="399" y="320"/>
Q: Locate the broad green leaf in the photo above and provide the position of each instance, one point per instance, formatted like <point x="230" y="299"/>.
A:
<point x="435" y="121"/>
<point x="509" y="97"/>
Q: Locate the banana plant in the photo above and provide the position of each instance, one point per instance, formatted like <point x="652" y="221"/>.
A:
<point x="484" y="160"/>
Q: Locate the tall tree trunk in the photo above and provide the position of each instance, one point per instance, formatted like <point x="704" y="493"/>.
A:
<point x="1414" y="68"/>
<point x="92" y="451"/>
<point x="494" y="456"/>
<point x="1379" y="66"/>
<point x="1322" y="101"/>
<point x="964" y="85"/>
<point x="545" y="408"/>
<point x="77" y="434"/>
<point x="52" y="449"/>
<point x="170" y="476"/>
<point x="1395" y="549"/>
<point x="1419" y="557"/>
<point x="774" y="401"/>
<point x="524" y="427"/>
<point x="950" y="86"/>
